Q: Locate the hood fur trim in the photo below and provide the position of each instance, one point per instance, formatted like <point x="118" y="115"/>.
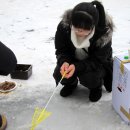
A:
<point x="103" y="40"/>
<point x="107" y="37"/>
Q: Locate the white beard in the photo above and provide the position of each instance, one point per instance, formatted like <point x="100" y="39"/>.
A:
<point x="80" y="43"/>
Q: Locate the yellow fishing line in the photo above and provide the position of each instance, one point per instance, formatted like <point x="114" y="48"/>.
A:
<point x="41" y="114"/>
<point x="35" y="115"/>
<point x="63" y="75"/>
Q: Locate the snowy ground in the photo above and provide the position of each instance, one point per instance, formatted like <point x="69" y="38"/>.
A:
<point x="28" y="28"/>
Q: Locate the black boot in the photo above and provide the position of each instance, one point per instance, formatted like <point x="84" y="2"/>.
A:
<point x="108" y="83"/>
<point x="108" y="88"/>
<point x="95" y="94"/>
<point x="68" y="89"/>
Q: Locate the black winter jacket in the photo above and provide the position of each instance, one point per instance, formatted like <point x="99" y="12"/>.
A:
<point x="99" y="52"/>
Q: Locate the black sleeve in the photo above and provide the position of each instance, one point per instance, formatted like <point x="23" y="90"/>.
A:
<point x="96" y="60"/>
<point x="63" y="52"/>
<point x="8" y="60"/>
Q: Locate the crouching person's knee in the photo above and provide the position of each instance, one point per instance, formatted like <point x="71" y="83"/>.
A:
<point x="12" y="63"/>
<point x="56" y="74"/>
<point x="8" y="60"/>
<point x="91" y="80"/>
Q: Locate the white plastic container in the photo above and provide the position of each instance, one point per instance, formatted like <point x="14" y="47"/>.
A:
<point x="121" y="87"/>
<point x="129" y="53"/>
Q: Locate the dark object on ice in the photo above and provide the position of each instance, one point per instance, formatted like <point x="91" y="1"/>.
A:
<point x="30" y="30"/>
<point x="7" y="85"/>
<point x="8" y="60"/>
<point x="22" y="71"/>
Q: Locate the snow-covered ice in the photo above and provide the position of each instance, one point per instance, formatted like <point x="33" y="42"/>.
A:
<point x="28" y="28"/>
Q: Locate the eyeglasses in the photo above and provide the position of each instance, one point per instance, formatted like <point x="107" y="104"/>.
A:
<point x="80" y="31"/>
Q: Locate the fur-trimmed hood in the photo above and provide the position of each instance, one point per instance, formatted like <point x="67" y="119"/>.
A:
<point x="104" y="39"/>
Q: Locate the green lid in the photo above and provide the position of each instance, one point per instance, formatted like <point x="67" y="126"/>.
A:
<point x="126" y="57"/>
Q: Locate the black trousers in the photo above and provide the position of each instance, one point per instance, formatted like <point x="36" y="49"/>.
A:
<point x="91" y="80"/>
<point x="8" y="60"/>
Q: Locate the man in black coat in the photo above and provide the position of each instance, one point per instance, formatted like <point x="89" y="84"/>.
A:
<point x="83" y="49"/>
<point x="8" y="63"/>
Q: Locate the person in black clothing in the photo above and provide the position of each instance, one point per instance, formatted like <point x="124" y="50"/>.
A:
<point x="83" y="49"/>
<point x="8" y="63"/>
